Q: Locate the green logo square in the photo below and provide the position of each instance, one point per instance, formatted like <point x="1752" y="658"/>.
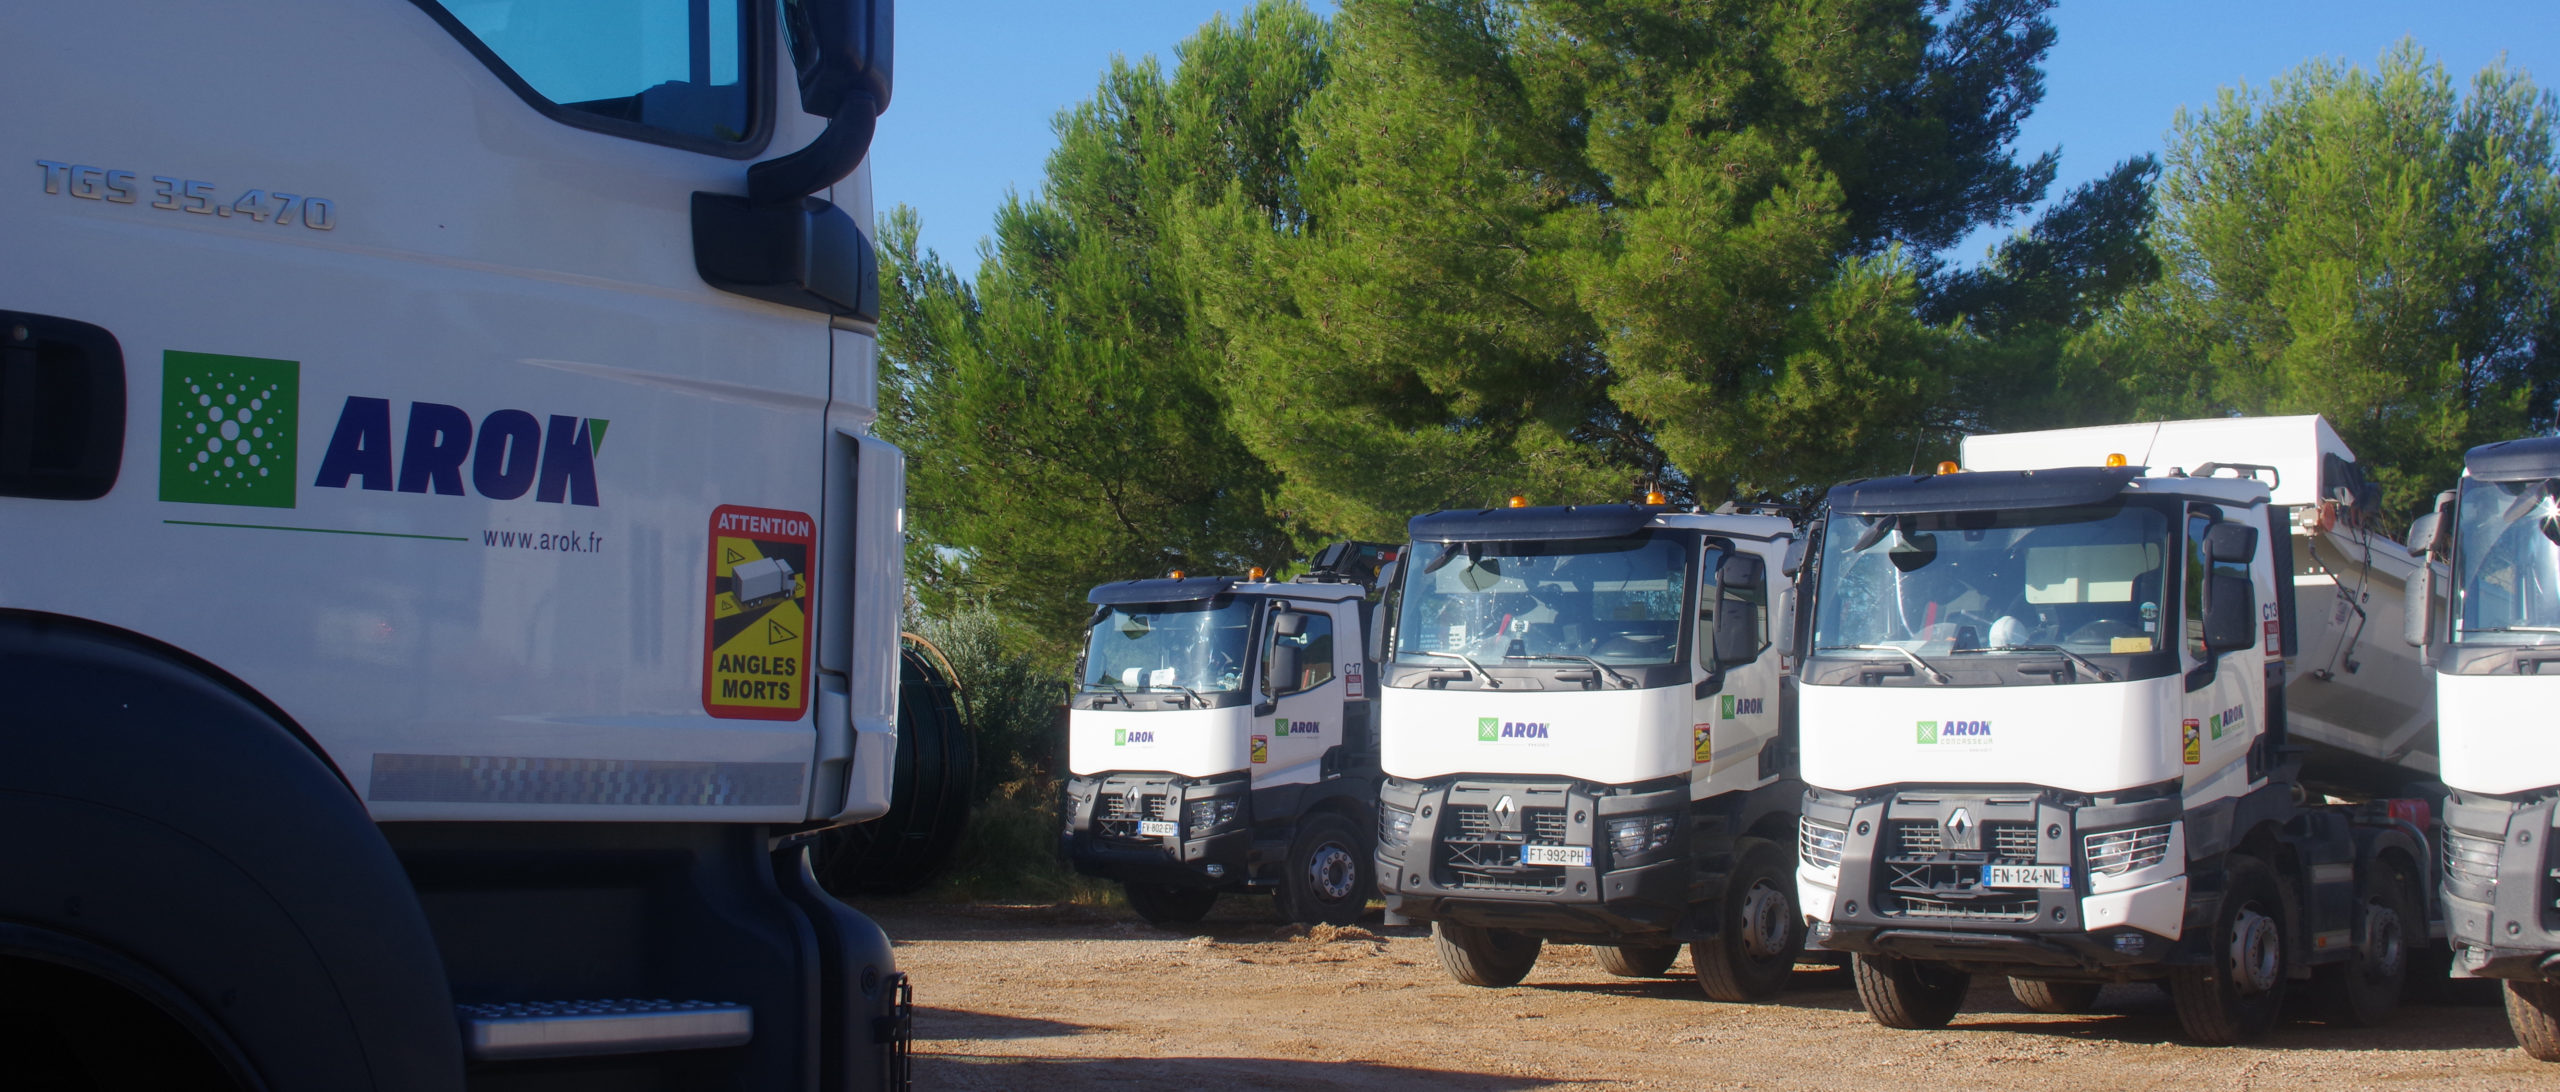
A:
<point x="2216" y="722"/>
<point x="1119" y="736"/>
<point x="1488" y="729"/>
<point x="1928" y="731"/>
<point x="228" y="428"/>
<point x="1728" y="707"/>
<point x="1280" y="727"/>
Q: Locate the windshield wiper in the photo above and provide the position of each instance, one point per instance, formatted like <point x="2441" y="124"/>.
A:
<point x="2103" y="674"/>
<point x="1604" y="669"/>
<point x="1196" y="700"/>
<point x="1481" y="673"/>
<point x="1117" y="691"/>
<point x="1940" y="677"/>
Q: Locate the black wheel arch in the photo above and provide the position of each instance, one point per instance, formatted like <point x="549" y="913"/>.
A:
<point x="162" y="810"/>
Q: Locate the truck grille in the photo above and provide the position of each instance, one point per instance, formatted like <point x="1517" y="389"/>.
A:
<point x="1921" y="878"/>
<point x="1476" y="854"/>
<point x="1113" y="818"/>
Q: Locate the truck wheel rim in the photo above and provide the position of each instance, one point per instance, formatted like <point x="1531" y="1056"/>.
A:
<point x="2255" y="952"/>
<point x="1330" y="872"/>
<point x="2382" y="941"/>
<point x="1764" y="921"/>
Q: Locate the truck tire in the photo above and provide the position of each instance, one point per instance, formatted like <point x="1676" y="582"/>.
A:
<point x="1636" y="961"/>
<point x="1330" y="872"/>
<point x="1754" y="953"/>
<point x="2054" y="998"/>
<point x="2238" y="996"/>
<point x="1167" y="905"/>
<point x="2361" y="992"/>
<point x="1478" y="956"/>
<point x="2533" y="1011"/>
<point x="1909" y="994"/>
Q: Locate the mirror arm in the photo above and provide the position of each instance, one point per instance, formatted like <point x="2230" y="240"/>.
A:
<point x="832" y="156"/>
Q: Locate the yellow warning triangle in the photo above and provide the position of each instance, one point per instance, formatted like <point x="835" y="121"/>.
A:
<point x="775" y="634"/>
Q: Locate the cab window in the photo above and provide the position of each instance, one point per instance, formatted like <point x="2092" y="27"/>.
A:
<point x="671" y="71"/>
<point x="1315" y="657"/>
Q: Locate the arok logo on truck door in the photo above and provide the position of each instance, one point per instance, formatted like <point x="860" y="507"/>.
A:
<point x="227" y="428"/>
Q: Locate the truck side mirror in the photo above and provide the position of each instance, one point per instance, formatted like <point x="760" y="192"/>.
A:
<point x="2230" y="609"/>
<point x="1742" y="586"/>
<point x="2234" y="543"/>
<point x="2418" y="601"/>
<point x="841" y="50"/>
<point x="1283" y="677"/>
<point x="1289" y="624"/>
<point x="2422" y="534"/>
<point x="1794" y="562"/>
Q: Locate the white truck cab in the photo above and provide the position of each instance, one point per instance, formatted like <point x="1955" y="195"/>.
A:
<point x="2492" y="648"/>
<point x="473" y="401"/>
<point x="1587" y="739"/>
<point x="1222" y="738"/>
<point x="2053" y="730"/>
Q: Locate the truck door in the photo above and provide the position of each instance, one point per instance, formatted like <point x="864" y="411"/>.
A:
<point x="422" y="386"/>
<point x="1735" y="718"/>
<point x="2224" y="710"/>
<point x="1299" y="712"/>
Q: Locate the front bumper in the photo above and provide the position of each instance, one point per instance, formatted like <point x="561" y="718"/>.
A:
<point x="1102" y="839"/>
<point x="1462" y="861"/>
<point x="2502" y="886"/>
<point x="1909" y="880"/>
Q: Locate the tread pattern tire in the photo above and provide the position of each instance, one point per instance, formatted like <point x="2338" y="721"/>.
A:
<point x="2210" y="1004"/>
<point x="1477" y="956"/>
<point x="1908" y="994"/>
<point x="1328" y="850"/>
<point x="2533" y="1012"/>
<point x="1634" y="961"/>
<point x="1729" y="969"/>
<point x="1167" y="906"/>
<point x="2054" y="998"/>
<point x="2356" y="993"/>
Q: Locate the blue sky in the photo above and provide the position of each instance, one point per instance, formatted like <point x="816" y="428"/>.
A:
<point x="979" y="82"/>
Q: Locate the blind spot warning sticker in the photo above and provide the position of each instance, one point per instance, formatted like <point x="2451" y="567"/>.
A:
<point x="755" y="662"/>
<point x="1702" y="743"/>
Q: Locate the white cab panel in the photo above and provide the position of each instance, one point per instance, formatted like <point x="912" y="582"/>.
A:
<point x="1609" y="736"/>
<point x="2085" y="737"/>
<point x="1190" y="742"/>
<point x="2498" y="733"/>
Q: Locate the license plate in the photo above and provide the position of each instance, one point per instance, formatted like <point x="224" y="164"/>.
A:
<point x="2040" y="875"/>
<point x="1556" y="855"/>
<point x="1159" y="828"/>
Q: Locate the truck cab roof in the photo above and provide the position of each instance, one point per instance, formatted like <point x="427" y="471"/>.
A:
<point x="2531" y="459"/>
<point x="2056" y="487"/>
<point x="1583" y="521"/>
<point x="1194" y="589"/>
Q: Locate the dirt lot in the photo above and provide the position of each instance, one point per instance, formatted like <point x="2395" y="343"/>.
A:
<point x="1048" y="999"/>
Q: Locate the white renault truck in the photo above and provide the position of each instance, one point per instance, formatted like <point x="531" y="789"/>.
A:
<point x="448" y="574"/>
<point x="2492" y="647"/>
<point x="1222" y="737"/>
<point x="1587" y="739"/>
<point x="2116" y="704"/>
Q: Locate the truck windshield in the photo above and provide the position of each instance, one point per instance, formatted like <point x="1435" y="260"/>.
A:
<point x="1618" y="601"/>
<point x="2083" y="580"/>
<point x="673" y="66"/>
<point x="1199" y="647"/>
<point x="2509" y="576"/>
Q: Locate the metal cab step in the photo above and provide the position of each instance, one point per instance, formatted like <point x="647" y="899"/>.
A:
<point x="517" y="1030"/>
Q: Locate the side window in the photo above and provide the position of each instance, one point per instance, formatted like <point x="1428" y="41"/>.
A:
<point x="2200" y="521"/>
<point x="676" y="71"/>
<point x="1315" y="657"/>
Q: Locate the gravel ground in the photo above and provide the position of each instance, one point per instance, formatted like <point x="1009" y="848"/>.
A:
<point x="1055" y="999"/>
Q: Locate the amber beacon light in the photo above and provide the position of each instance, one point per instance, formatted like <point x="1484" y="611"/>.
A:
<point x="1949" y="467"/>
<point x="1518" y="501"/>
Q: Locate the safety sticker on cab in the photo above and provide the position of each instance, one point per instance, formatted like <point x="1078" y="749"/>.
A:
<point x="755" y="662"/>
<point x="1702" y="742"/>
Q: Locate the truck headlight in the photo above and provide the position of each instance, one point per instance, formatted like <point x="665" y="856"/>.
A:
<point x="1395" y="825"/>
<point x="2116" y="852"/>
<point x="1819" y="844"/>
<point x="2470" y="865"/>
<point x="1207" y="815"/>
<point x="1632" y="835"/>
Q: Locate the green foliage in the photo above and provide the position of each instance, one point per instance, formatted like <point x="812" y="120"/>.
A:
<point x="1062" y="415"/>
<point x="1011" y="697"/>
<point x="1009" y="853"/>
<point x="1562" y="247"/>
<point x="2371" y="246"/>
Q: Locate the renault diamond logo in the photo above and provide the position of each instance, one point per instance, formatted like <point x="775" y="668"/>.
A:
<point x="1960" y="830"/>
<point x="1504" y="807"/>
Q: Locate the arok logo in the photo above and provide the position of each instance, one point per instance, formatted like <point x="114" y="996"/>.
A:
<point x="505" y="454"/>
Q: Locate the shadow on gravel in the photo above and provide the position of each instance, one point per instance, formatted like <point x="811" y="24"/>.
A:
<point x="934" y="1023"/>
<point x="2142" y="1014"/>
<point x="973" y="1071"/>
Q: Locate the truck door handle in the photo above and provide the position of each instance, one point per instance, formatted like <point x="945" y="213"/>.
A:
<point x="61" y="408"/>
